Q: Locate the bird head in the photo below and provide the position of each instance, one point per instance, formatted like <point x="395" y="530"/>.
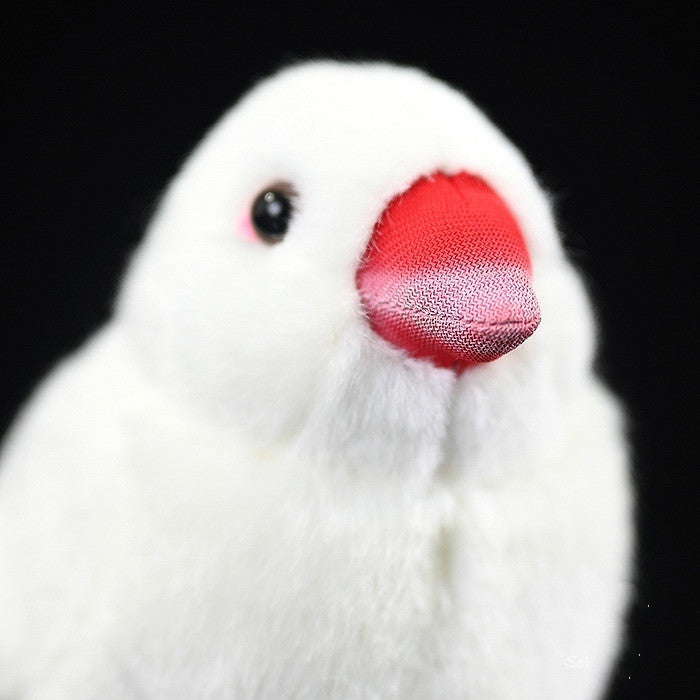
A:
<point x="355" y="261"/>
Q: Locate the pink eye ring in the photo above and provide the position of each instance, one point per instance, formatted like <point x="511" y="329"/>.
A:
<point x="270" y="214"/>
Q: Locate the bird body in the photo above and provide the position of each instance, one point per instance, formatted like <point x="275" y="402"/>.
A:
<point x="243" y="486"/>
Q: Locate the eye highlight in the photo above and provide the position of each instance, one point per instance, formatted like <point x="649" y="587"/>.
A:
<point x="272" y="212"/>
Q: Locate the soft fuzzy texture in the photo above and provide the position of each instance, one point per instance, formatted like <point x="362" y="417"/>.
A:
<point x="237" y="490"/>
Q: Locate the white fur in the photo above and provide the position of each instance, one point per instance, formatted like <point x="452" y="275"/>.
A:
<point x="236" y="490"/>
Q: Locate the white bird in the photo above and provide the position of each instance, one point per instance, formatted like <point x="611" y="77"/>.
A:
<point x="320" y="450"/>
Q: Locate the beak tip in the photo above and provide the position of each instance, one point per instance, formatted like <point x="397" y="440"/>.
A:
<point x="481" y="342"/>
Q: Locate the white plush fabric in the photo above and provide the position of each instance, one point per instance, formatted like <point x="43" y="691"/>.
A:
<point x="237" y="490"/>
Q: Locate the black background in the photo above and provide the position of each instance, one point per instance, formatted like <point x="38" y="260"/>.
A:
<point x="100" y="105"/>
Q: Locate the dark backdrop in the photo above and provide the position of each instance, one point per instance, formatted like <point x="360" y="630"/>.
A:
<point x="100" y="105"/>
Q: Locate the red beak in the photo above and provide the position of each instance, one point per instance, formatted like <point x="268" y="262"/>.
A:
<point x="446" y="275"/>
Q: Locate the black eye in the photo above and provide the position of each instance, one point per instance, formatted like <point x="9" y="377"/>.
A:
<point x="272" y="211"/>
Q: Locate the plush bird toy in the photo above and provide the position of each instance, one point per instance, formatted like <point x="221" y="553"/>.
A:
<point x="341" y="437"/>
